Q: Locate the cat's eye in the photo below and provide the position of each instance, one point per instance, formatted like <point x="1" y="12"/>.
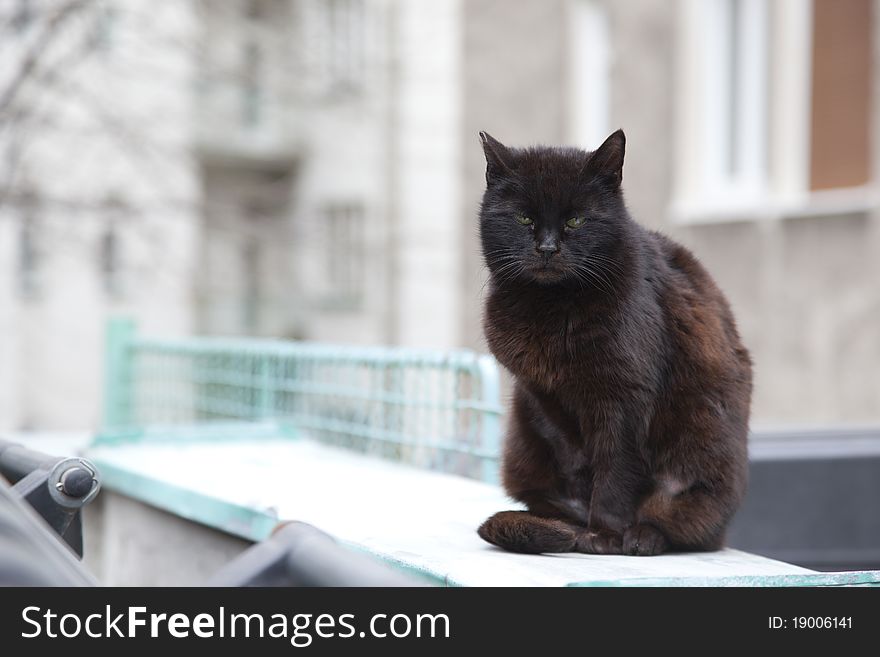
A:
<point x="523" y="221"/>
<point x="576" y="222"/>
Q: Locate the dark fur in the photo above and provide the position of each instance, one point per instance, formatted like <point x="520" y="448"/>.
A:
<point x="627" y="430"/>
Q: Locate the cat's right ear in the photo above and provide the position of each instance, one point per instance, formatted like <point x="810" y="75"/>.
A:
<point x="499" y="160"/>
<point x="608" y="158"/>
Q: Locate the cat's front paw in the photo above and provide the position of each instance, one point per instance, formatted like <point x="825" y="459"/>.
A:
<point x="644" y="540"/>
<point x="599" y="542"/>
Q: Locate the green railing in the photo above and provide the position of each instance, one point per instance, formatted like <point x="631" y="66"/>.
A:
<point x="434" y="409"/>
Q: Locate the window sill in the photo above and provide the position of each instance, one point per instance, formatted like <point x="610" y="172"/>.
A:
<point x="825" y="203"/>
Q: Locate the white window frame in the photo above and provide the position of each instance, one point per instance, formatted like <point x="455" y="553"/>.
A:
<point x="723" y="167"/>
<point x="779" y="80"/>
<point x="734" y="88"/>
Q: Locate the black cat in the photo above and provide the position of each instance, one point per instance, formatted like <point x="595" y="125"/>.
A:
<point x="627" y="431"/>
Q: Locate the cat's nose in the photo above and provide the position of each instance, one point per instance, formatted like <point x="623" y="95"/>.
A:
<point x="547" y="247"/>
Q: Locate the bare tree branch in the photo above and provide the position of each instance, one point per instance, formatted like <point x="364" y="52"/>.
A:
<point x="37" y="49"/>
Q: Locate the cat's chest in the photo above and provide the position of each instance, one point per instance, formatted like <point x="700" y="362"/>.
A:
<point x="548" y="345"/>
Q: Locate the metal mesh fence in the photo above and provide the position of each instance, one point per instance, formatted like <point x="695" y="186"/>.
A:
<point x="433" y="409"/>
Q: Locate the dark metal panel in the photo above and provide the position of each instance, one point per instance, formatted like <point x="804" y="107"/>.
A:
<point x="813" y="498"/>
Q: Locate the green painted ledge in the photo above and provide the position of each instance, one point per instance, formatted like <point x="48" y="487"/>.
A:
<point x="256" y="525"/>
<point x="849" y="578"/>
<point x="242" y="521"/>
<point x="245" y="522"/>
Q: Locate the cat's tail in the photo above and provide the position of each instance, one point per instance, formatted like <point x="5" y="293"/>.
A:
<point x="521" y="531"/>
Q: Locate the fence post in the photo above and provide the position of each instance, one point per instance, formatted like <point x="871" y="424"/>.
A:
<point x="490" y="440"/>
<point x="118" y="372"/>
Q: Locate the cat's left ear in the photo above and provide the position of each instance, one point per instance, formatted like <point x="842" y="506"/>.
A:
<point x="499" y="160"/>
<point x="608" y="158"/>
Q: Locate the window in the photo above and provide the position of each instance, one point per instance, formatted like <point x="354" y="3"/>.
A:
<point x="109" y="246"/>
<point x="736" y="100"/>
<point x="773" y="108"/>
<point x="110" y="261"/>
<point x="589" y="74"/>
<point x="733" y="99"/>
<point x="29" y="254"/>
<point x="251" y="87"/>
<point x="343" y="229"/>
<point x="339" y="35"/>
<point x="252" y="299"/>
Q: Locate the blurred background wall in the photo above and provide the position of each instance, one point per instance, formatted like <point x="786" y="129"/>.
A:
<point x="310" y="169"/>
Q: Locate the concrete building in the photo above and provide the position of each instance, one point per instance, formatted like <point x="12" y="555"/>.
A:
<point x="323" y="169"/>
<point x="98" y="194"/>
<point x="270" y="168"/>
<point x="751" y="138"/>
<point x="332" y="204"/>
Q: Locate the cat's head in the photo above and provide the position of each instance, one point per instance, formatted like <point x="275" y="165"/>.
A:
<point x="553" y="215"/>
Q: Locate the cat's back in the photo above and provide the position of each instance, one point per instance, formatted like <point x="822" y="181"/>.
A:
<point x="700" y="315"/>
<point x="682" y="267"/>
